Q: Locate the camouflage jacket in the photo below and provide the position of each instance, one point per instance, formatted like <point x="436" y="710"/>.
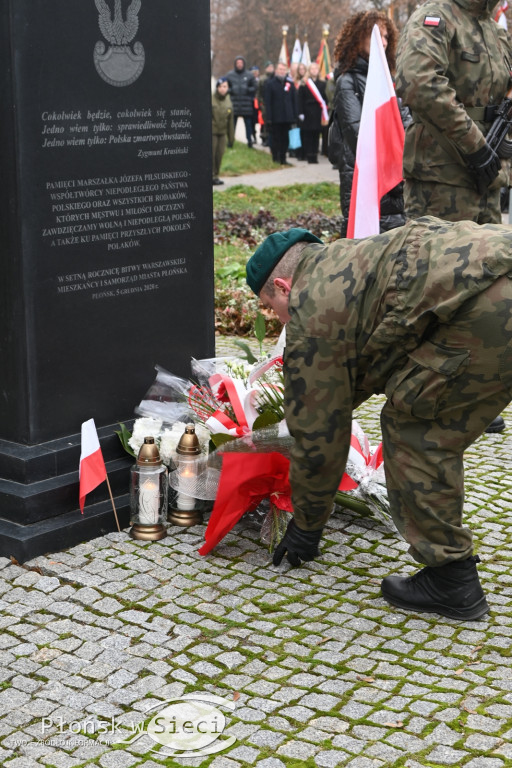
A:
<point x="453" y="61"/>
<point x="222" y="116"/>
<point x="360" y="310"/>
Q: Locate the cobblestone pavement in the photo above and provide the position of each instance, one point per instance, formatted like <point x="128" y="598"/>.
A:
<point x="320" y="670"/>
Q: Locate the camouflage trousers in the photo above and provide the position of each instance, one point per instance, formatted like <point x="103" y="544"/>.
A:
<point x="428" y="198"/>
<point x="219" y="147"/>
<point x="450" y="389"/>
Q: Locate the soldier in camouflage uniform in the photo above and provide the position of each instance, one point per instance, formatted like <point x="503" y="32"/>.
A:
<point x="422" y="313"/>
<point x="453" y="67"/>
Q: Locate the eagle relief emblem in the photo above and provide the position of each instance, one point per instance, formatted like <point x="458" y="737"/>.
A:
<point x="118" y="63"/>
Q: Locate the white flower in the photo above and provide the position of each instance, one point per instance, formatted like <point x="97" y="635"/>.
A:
<point x="203" y="435"/>
<point x="144" y="427"/>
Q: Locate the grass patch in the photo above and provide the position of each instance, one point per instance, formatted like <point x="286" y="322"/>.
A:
<point x="240" y="159"/>
<point x="283" y="202"/>
<point x="243" y="217"/>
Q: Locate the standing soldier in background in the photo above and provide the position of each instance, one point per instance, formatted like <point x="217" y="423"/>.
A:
<point x="222" y="125"/>
<point x="453" y="70"/>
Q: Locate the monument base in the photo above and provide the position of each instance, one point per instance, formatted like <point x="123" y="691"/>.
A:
<point x="39" y="506"/>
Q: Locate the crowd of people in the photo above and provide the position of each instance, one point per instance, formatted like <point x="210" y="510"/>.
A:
<point x="270" y="104"/>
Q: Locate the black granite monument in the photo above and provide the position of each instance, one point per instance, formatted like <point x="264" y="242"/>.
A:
<point x="106" y="241"/>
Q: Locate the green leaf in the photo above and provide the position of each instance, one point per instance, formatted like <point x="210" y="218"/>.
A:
<point x="220" y="438"/>
<point x="355" y="505"/>
<point x="124" y="435"/>
<point x="260" y="327"/>
<point x="266" y="419"/>
<point x="248" y="353"/>
<point x="232" y="270"/>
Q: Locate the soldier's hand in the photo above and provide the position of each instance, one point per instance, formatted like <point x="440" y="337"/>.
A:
<point x="485" y="165"/>
<point x="299" y="546"/>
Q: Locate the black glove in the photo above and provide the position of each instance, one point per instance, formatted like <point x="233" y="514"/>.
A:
<point x="230" y="145"/>
<point x="485" y="165"/>
<point x="299" y="545"/>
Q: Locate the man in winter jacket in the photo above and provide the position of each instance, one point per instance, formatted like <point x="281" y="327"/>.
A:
<point x="280" y="111"/>
<point x="242" y="88"/>
<point x="453" y="70"/>
<point x="423" y="314"/>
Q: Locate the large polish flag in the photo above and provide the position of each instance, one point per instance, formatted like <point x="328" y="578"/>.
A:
<point x="92" y="466"/>
<point x="380" y="145"/>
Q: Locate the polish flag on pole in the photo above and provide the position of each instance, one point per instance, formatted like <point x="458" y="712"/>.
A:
<point x="380" y="145"/>
<point x="92" y="466"/>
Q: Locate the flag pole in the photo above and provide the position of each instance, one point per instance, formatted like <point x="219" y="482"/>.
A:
<point x="113" y="505"/>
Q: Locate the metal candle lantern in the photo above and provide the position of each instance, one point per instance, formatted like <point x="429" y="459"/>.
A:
<point x="189" y="465"/>
<point x="148" y="494"/>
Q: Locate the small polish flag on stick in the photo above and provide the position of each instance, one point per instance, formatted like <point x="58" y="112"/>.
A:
<point x="380" y="145"/>
<point x="92" y="467"/>
<point x="500" y="17"/>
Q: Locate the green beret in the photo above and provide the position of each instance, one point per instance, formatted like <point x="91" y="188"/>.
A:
<point x="270" y="252"/>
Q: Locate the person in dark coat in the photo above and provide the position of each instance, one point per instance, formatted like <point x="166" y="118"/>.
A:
<point x="312" y="113"/>
<point x="260" y="93"/>
<point x="242" y="89"/>
<point x="280" y="110"/>
<point x="352" y="52"/>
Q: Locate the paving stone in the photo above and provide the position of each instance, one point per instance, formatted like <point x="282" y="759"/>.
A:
<point x="446" y="755"/>
<point x="270" y="762"/>
<point x="318" y="701"/>
<point x="117" y="759"/>
<point x="231" y="660"/>
<point x="302" y="714"/>
<point x="265" y="738"/>
<point x="22" y="762"/>
<point x="224" y="762"/>
<point x="299" y="750"/>
<point x="364" y="762"/>
<point x="330" y="758"/>
<point x="485" y="724"/>
<point x="245" y="754"/>
<point x="47" y="584"/>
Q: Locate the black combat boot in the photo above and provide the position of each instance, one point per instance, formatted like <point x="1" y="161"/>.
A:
<point x="497" y="425"/>
<point x="452" y="590"/>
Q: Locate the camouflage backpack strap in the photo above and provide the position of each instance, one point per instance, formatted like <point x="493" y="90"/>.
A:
<point x="447" y="145"/>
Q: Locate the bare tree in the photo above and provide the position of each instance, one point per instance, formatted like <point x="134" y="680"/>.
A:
<point x="252" y="28"/>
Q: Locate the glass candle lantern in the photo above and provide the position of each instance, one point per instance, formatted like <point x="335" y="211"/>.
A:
<point x="148" y="494"/>
<point x="189" y="464"/>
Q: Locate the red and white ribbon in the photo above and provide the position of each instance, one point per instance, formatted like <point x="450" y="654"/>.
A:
<point x="318" y="96"/>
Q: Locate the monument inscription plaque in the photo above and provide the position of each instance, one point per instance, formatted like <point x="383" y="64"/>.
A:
<point x="106" y="220"/>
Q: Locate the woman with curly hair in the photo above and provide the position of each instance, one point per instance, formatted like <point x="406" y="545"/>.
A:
<point x="351" y="54"/>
